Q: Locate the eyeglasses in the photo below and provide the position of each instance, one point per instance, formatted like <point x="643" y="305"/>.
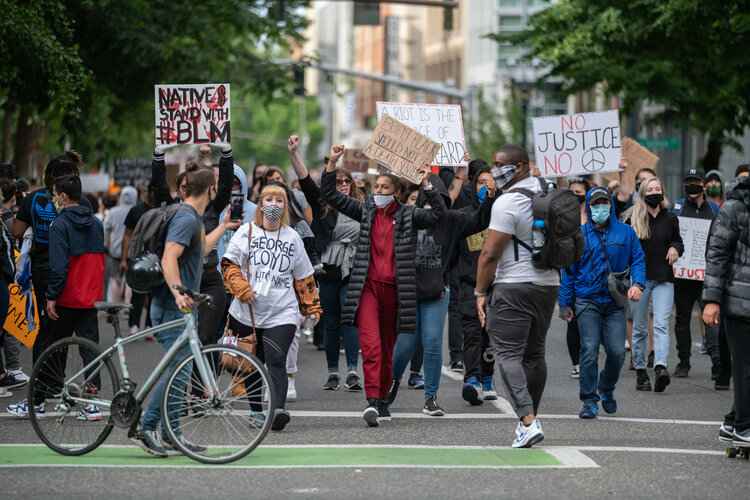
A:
<point x="343" y="182"/>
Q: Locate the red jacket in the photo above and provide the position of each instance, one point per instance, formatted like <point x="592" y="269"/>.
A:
<point x="382" y="257"/>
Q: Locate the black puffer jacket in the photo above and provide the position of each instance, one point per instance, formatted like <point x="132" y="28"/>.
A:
<point x="408" y="221"/>
<point x="727" y="279"/>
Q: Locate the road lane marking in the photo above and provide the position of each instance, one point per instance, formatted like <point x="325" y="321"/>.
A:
<point x="313" y="457"/>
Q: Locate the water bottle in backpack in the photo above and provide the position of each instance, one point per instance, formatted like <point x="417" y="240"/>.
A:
<point x="538" y="239"/>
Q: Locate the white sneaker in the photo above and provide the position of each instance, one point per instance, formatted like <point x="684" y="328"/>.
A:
<point x="526" y="437"/>
<point x="19" y="375"/>
<point x="90" y="413"/>
<point x="21" y="409"/>
<point x="291" y="392"/>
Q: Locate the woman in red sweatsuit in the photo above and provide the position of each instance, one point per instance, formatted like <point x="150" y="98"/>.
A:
<point x="382" y="297"/>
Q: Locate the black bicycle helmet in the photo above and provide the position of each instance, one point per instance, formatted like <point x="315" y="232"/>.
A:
<point x="145" y="273"/>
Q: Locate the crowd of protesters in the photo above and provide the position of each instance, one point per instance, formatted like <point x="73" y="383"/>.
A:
<point x="382" y="268"/>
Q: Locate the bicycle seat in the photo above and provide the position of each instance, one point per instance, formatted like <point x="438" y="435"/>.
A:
<point x="112" y="308"/>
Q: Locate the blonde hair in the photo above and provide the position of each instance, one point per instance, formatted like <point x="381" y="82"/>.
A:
<point x="275" y="190"/>
<point x="639" y="220"/>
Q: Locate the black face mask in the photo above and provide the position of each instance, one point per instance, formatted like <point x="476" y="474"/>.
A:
<point x="654" y="200"/>
<point x="693" y="189"/>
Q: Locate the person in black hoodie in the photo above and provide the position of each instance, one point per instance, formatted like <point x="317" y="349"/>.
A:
<point x="76" y="259"/>
<point x="436" y="250"/>
<point x="479" y="365"/>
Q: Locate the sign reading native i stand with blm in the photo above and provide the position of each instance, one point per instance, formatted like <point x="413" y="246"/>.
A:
<point x="580" y="144"/>
<point x="192" y="114"/>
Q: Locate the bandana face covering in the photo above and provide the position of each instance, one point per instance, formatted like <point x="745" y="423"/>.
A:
<point x="503" y="175"/>
<point x="272" y="213"/>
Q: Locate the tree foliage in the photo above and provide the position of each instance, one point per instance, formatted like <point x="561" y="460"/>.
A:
<point x="688" y="55"/>
<point x="490" y="130"/>
<point x="87" y="67"/>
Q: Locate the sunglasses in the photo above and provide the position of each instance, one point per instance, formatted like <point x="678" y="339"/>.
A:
<point x="343" y="182"/>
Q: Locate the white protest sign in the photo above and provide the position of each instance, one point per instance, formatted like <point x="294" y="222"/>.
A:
<point x="692" y="264"/>
<point x="94" y="183"/>
<point x="581" y="144"/>
<point x="440" y="122"/>
<point x="192" y="114"/>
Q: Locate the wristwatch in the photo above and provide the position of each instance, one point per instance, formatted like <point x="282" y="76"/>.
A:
<point x="477" y="293"/>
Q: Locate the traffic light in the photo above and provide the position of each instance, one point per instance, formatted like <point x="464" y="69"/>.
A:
<point x="299" y="80"/>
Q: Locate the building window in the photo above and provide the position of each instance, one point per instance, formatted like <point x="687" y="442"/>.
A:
<point x="508" y="3"/>
<point x="510" y="23"/>
<point x="507" y="55"/>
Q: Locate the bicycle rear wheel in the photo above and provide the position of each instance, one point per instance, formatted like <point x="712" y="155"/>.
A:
<point x="227" y="426"/>
<point x="69" y="400"/>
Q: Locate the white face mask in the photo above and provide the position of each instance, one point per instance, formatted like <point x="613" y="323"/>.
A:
<point x="503" y="175"/>
<point x="383" y="200"/>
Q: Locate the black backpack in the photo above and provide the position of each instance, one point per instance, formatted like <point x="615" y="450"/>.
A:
<point x="557" y="214"/>
<point x="147" y="247"/>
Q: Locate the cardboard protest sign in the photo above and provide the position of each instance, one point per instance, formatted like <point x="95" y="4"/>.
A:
<point x="19" y="313"/>
<point x="581" y="144"/>
<point x="192" y="114"/>
<point x="634" y="158"/>
<point x="356" y="161"/>
<point x="401" y="149"/>
<point x="692" y="264"/>
<point x="440" y="122"/>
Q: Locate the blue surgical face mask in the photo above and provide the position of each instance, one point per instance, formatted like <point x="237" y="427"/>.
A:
<point x="600" y="213"/>
<point x="482" y="194"/>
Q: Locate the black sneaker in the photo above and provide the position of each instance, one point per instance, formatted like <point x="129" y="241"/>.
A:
<point x="392" y="392"/>
<point x="721" y="385"/>
<point x="150" y="442"/>
<point x="169" y="445"/>
<point x="457" y="366"/>
<point x="12" y="381"/>
<point x="280" y="419"/>
<point x="370" y="414"/>
<point x="715" y="373"/>
<point x="643" y="383"/>
<point x="682" y="370"/>
<point x="726" y="433"/>
<point x="432" y="409"/>
<point x="650" y="363"/>
<point x="333" y="383"/>
<point x="661" y="380"/>
<point x="384" y="413"/>
<point x="353" y="382"/>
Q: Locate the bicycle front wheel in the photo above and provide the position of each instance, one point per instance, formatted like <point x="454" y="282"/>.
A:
<point x="69" y="396"/>
<point x="226" y="426"/>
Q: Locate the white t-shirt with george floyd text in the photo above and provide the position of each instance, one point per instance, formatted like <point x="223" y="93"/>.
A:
<point x="271" y="261"/>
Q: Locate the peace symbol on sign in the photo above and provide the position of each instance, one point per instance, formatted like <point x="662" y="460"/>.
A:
<point x="593" y="160"/>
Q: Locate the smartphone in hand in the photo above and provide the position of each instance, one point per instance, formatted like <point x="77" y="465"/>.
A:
<point x="236" y="210"/>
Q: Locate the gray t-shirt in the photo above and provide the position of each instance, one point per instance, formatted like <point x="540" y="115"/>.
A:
<point x="186" y="229"/>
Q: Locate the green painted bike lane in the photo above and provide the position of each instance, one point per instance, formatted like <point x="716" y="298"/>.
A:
<point x="294" y="457"/>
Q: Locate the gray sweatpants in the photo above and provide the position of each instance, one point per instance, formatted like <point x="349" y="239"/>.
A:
<point x="518" y="317"/>
<point x="11" y="352"/>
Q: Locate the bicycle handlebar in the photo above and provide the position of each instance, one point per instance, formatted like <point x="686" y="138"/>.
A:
<point x="198" y="298"/>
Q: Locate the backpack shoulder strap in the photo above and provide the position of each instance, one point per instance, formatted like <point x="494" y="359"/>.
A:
<point x="524" y="191"/>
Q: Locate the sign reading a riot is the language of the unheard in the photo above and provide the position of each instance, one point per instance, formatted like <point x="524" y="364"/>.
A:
<point x="581" y="144"/>
<point x="400" y="149"/>
<point x="440" y="122"/>
<point x="692" y="264"/>
<point x="192" y="114"/>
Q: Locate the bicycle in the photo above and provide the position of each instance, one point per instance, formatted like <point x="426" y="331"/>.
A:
<point x="227" y="420"/>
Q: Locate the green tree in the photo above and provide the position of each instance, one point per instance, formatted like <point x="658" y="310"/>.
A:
<point x="261" y="130"/>
<point x="688" y="55"/>
<point x="81" y="72"/>
<point x="490" y="129"/>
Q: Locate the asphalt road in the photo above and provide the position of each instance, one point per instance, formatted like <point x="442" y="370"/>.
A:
<point x="657" y="445"/>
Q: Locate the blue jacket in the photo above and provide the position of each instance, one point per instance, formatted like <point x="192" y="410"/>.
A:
<point x="587" y="278"/>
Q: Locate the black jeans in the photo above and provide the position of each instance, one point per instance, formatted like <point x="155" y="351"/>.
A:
<point x="209" y="319"/>
<point x="139" y="301"/>
<point x="725" y="355"/>
<point x="738" y="336"/>
<point x="574" y="342"/>
<point x="40" y="280"/>
<point x="272" y="348"/>
<point x="478" y="359"/>
<point x="686" y="294"/>
<point x="332" y="298"/>
<point x="81" y="322"/>
<point x="455" y="333"/>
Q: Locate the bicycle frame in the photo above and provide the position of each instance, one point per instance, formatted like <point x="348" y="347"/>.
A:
<point x="189" y="336"/>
